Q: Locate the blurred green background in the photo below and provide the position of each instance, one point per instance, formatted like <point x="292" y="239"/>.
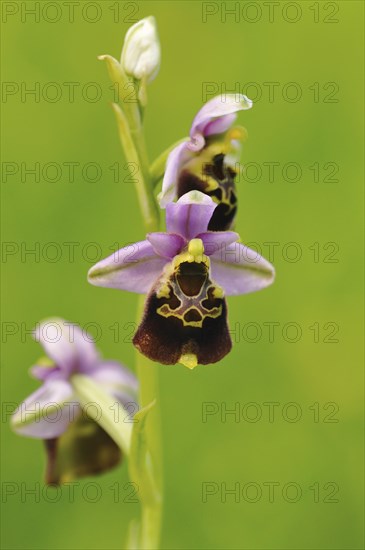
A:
<point x="318" y="47"/>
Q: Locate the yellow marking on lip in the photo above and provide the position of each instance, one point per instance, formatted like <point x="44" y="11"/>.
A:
<point x="189" y="360"/>
<point x="211" y="183"/>
<point x="169" y="288"/>
<point x="180" y="312"/>
<point x="194" y="253"/>
<point x="163" y="291"/>
<point x="218" y="292"/>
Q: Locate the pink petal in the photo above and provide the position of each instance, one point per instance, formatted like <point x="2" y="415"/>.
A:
<point x="65" y="344"/>
<point x="222" y="111"/>
<point x="117" y="381"/>
<point x="190" y="215"/>
<point x="175" y="160"/>
<point x="134" y="268"/>
<point x="214" y="240"/>
<point x="55" y="400"/>
<point x="167" y="245"/>
<point x="240" y="270"/>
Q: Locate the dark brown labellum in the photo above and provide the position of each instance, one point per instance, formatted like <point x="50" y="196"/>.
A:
<point x="185" y="318"/>
<point x="84" y="449"/>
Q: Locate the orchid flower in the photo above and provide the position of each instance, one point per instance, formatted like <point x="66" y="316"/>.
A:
<point x="76" y="445"/>
<point x="186" y="272"/>
<point x="208" y="161"/>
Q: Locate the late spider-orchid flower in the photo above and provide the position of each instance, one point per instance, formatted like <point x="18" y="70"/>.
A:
<point x="76" y="444"/>
<point x="186" y="272"/>
<point x="208" y="162"/>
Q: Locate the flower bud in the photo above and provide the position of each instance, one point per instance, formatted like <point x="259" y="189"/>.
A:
<point x="141" y="50"/>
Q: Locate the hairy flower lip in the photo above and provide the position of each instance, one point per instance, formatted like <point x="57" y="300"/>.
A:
<point x="185" y="318"/>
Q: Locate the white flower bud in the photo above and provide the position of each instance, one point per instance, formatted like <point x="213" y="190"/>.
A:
<point x="141" y="50"/>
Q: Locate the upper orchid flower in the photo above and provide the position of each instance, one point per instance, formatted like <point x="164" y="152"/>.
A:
<point x="186" y="272"/>
<point x="76" y="445"/>
<point x="208" y="161"/>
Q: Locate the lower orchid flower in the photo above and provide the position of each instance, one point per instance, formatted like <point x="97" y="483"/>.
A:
<point x="186" y="272"/>
<point x="208" y="161"/>
<point x="76" y="444"/>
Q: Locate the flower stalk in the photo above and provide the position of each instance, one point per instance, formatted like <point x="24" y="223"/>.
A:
<point x="145" y="453"/>
<point x="142" y="467"/>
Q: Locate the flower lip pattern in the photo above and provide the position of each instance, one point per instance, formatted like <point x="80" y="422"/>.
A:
<point x="214" y="119"/>
<point x="54" y="413"/>
<point x="169" y="265"/>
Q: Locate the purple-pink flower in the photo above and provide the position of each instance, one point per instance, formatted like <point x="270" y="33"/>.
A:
<point x="54" y="412"/>
<point x="208" y="161"/>
<point x="186" y="272"/>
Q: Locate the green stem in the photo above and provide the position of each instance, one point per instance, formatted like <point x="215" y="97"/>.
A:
<point x="150" y="533"/>
<point x="147" y="372"/>
<point x="150" y="472"/>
